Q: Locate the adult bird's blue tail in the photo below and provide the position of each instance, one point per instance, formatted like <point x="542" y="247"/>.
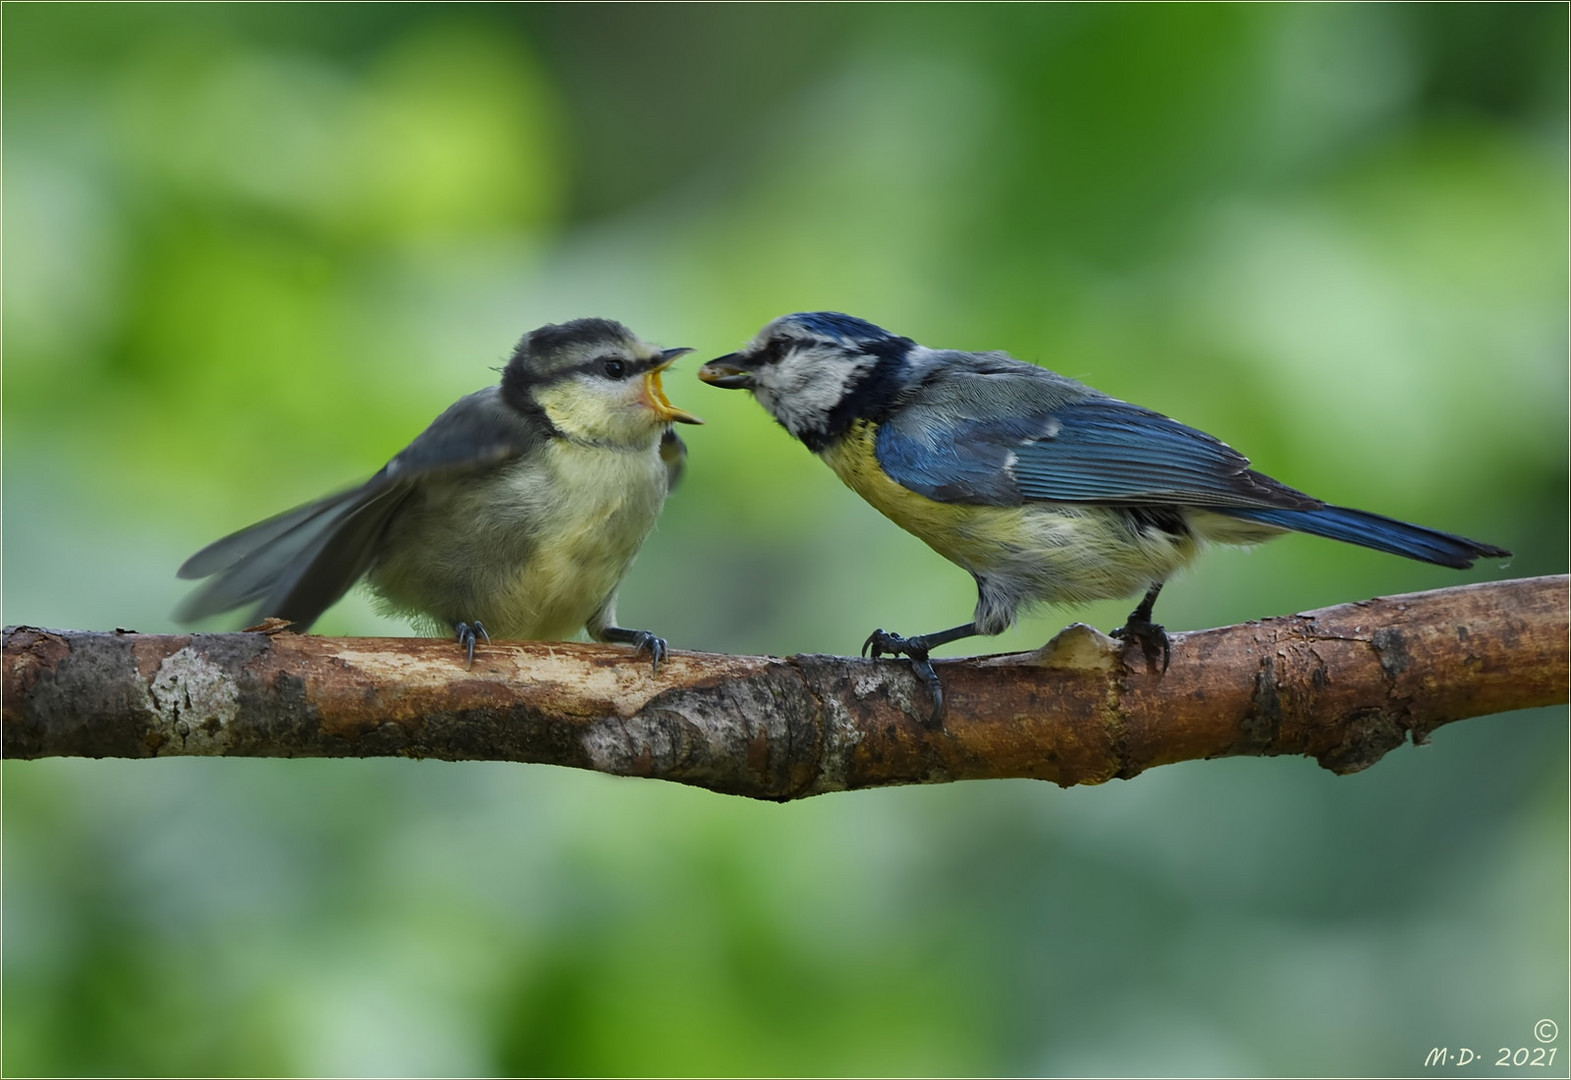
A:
<point x="1381" y="533"/>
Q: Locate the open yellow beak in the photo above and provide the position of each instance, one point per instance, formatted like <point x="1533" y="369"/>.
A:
<point x="654" y="393"/>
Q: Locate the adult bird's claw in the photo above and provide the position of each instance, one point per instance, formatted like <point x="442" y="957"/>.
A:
<point x="467" y="635"/>
<point x="883" y="643"/>
<point x="1153" y="640"/>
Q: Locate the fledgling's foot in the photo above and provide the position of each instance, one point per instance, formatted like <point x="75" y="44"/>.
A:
<point x="883" y="643"/>
<point x="653" y="644"/>
<point x="641" y="640"/>
<point x="468" y="633"/>
<point x="1152" y="638"/>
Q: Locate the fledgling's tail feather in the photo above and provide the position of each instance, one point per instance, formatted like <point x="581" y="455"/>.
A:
<point x="1381" y="533"/>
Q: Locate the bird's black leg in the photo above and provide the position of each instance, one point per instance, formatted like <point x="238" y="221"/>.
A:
<point x="468" y="633"/>
<point x="883" y="643"/>
<point x="1152" y="636"/>
<point x="639" y="639"/>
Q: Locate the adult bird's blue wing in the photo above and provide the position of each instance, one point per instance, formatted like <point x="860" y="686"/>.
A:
<point x="967" y="438"/>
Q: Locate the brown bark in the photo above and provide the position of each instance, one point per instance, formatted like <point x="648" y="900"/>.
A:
<point x="1342" y="685"/>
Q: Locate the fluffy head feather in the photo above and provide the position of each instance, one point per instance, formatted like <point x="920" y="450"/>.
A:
<point x="592" y="380"/>
<point x="816" y="372"/>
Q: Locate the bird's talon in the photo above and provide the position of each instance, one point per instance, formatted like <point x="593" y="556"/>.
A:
<point x="883" y="643"/>
<point x="656" y="647"/>
<point x="468" y="634"/>
<point x="924" y="671"/>
<point x="1152" y="638"/>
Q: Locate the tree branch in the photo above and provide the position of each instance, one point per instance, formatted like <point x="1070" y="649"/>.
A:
<point x="1342" y="685"/>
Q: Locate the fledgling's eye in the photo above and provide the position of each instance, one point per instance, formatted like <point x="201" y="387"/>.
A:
<point x="614" y="369"/>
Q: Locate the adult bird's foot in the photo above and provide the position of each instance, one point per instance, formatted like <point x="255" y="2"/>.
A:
<point x="468" y="633"/>
<point x="1153" y="640"/>
<point x="883" y="643"/>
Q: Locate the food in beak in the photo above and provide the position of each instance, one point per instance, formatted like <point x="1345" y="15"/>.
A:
<point x="725" y="374"/>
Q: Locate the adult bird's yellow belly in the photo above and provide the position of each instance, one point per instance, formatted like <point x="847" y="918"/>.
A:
<point x="971" y="536"/>
<point x="1036" y="551"/>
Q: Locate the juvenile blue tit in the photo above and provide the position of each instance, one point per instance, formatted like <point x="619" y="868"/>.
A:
<point x="1041" y="487"/>
<point x="515" y="514"/>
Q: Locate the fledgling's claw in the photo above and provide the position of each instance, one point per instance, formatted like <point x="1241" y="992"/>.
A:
<point x="467" y="635"/>
<point x="654" y="644"/>
<point x="1152" y="638"/>
<point x="641" y="640"/>
<point x="884" y="643"/>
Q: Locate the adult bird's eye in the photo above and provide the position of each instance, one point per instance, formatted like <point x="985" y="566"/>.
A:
<point x="615" y="369"/>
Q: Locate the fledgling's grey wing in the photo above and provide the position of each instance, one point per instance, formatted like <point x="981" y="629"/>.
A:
<point x="996" y="431"/>
<point x="477" y="432"/>
<point x="315" y="545"/>
<point x="673" y="452"/>
<point x="298" y="564"/>
<point x="228" y="550"/>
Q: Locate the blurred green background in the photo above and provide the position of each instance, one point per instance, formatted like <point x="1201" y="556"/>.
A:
<point x="250" y="251"/>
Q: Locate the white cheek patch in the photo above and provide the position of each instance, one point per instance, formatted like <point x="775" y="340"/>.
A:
<point x="594" y="410"/>
<point x="804" y="388"/>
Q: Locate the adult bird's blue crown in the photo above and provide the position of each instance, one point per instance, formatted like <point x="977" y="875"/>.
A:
<point x="1041" y="487"/>
<point x="846" y="328"/>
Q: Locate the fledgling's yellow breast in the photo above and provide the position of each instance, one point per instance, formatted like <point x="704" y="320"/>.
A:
<point x="531" y="550"/>
<point x="602" y="504"/>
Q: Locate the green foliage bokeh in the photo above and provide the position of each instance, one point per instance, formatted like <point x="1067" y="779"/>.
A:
<point x="250" y="251"/>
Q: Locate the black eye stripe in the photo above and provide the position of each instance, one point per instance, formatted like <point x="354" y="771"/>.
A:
<point x="608" y="366"/>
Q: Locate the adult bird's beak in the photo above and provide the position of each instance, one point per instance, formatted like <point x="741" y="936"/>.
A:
<point x="727" y="373"/>
<point x="654" y="393"/>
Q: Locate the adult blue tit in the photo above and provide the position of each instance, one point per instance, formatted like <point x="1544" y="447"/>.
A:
<point x="515" y="514"/>
<point x="1041" y="487"/>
